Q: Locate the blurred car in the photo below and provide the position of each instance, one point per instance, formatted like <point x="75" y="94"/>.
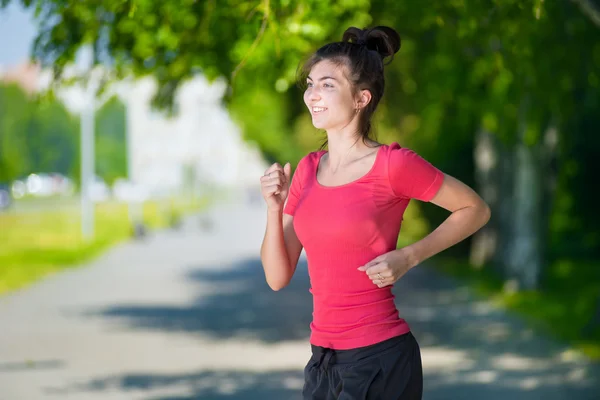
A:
<point x="42" y="185"/>
<point x="5" y="197"/>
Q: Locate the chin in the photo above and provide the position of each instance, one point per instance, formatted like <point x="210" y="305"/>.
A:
<point x="320" y="124"/>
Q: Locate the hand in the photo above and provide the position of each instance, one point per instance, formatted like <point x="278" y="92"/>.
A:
<point x="275" y="185"/>
<point x="386" y="269"/>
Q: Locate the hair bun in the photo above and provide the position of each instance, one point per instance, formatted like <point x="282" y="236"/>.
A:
<point x="382" y="39"/>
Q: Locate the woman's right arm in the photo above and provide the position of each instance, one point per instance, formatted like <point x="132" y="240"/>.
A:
<point x="280" y="250"/>
<point x="281" y="247"/>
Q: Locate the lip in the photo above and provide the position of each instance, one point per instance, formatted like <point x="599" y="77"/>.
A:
<point x="313" y="112"/>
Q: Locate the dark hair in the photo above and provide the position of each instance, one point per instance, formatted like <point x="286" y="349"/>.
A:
<point x="362" y="52"/>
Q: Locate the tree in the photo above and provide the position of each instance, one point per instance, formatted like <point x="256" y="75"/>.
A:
<point x="111" y="141"/>
<point x="36" y="135"/>
<point x="507" y="72"/>
<point x="15" y="111"/>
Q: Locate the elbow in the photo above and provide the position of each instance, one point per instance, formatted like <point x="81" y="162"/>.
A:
<point x="486" y="213"/>
<point x="277" y="286"/>
<point x="278" y="282"/>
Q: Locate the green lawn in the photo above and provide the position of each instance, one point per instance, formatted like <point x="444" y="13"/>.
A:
<point x="36" y="243"/>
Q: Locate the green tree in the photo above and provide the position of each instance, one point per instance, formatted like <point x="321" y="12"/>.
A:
<point x="15" y="111"/>
<point x="51" y="135"/>
<point x="111" y="141"/>
<point x="36" y="135"/>
<point x="509" y="73"/>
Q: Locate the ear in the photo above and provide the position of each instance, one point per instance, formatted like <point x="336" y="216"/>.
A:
<point x="363" y="98"/>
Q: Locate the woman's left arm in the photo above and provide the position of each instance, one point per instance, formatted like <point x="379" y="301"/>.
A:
<point x="468" y="214"/>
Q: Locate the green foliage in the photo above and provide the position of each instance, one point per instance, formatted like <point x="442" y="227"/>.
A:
<point x="36" y="135"/>
<point x="40" y="135"/>
<point x="464" y="64"/>
<point x="14" y="112"/>
<point x="111" y="141"/>
<point x="51" y="136"/>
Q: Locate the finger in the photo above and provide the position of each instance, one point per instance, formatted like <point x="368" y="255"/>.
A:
<point x="277" y="181"/>
<point x="370" y="264"/>
<point x="382" y="285"/>
<point x="273" y="167"/>
<point x="366" y="266"/>
<point x="271" y="189"/>
<point x="380" y="277"/>
<point x="383" y="282"/>
<point x="287" y="171"/>
<point x="273" y="178"/>
<point x="273" y="174"/>
<point x="379" y="283"/>
<point x="380" y="268"/>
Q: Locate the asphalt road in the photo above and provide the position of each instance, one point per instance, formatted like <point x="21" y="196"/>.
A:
<point x="187" y="315"/>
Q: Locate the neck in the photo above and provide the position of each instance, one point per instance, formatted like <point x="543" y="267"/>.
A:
<point x="344" y="146"/>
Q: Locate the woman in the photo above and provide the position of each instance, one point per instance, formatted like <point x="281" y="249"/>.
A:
<point x="344" y="207"/>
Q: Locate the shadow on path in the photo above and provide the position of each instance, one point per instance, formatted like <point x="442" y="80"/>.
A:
<point x="226" y="385"/>
<point x="470" y="349"/>
<point x="234" y="302"/>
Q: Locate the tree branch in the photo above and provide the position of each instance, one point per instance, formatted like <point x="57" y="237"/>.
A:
<point x="590" y="10"/>
<point x="256" y="40"/>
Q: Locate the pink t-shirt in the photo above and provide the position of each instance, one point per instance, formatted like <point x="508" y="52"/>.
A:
<point x="344" y="227"/>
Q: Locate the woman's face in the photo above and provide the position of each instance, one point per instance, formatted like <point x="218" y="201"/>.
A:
<point x="329" y="96"/>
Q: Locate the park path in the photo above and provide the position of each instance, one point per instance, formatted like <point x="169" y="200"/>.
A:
<point x="186" y="314"/>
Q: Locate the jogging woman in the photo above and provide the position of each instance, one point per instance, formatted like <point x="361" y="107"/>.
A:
<point x="344" y="206"/>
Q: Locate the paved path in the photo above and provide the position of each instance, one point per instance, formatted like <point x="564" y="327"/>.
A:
<point x="187" y="315"/>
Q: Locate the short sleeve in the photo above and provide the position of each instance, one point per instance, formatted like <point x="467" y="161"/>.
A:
<point x="411" y="176"/>
<point x="295" y="188"/>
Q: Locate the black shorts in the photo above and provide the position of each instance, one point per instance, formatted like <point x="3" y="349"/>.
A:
<point x="390" y="370"/>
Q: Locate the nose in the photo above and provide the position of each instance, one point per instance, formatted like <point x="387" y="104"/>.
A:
<point x="313" y="94"/>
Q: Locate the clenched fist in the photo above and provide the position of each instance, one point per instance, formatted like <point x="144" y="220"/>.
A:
<point x="275" y="185"/>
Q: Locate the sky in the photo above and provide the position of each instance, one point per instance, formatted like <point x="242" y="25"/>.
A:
<point x="17" y="32"/>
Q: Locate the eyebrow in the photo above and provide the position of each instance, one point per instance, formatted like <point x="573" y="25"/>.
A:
<point x="323" y="78"/>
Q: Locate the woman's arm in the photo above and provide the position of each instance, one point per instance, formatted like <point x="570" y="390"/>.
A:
<point x="469" y="214"/>
<point x="280" y="250"/>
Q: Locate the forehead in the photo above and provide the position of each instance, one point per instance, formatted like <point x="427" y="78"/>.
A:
<point x="327" y="68"/>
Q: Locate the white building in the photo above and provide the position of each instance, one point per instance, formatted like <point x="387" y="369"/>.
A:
<point x="201" y="136"/>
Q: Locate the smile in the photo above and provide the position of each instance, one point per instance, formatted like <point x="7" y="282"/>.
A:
<point x="317" y="110"/>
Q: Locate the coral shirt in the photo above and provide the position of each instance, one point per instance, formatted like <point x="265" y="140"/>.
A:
<point x="344" y="227"/>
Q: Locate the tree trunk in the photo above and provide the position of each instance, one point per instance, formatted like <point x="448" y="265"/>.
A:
<point x="526" y="243"/>
<point x="487" y="177"/>
<point x="504" y="209"/>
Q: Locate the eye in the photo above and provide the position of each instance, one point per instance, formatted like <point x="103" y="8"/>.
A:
<point x="328" y="85"/>
<point x="309" y="84"/>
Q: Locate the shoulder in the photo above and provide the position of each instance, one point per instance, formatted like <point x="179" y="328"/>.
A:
<point x="310" y="160"/>
<point x="306" y="165"/>
<point x="395" y="150"/>
<point x="410" y="175"/>
<point x="398" y="156"/>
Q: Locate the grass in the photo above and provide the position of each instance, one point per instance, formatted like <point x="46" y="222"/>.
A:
<point x="35" y="244"/>
<point x="563" y="308"/>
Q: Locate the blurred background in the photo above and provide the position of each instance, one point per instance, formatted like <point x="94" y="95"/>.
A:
<point x="133" y="134"/>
